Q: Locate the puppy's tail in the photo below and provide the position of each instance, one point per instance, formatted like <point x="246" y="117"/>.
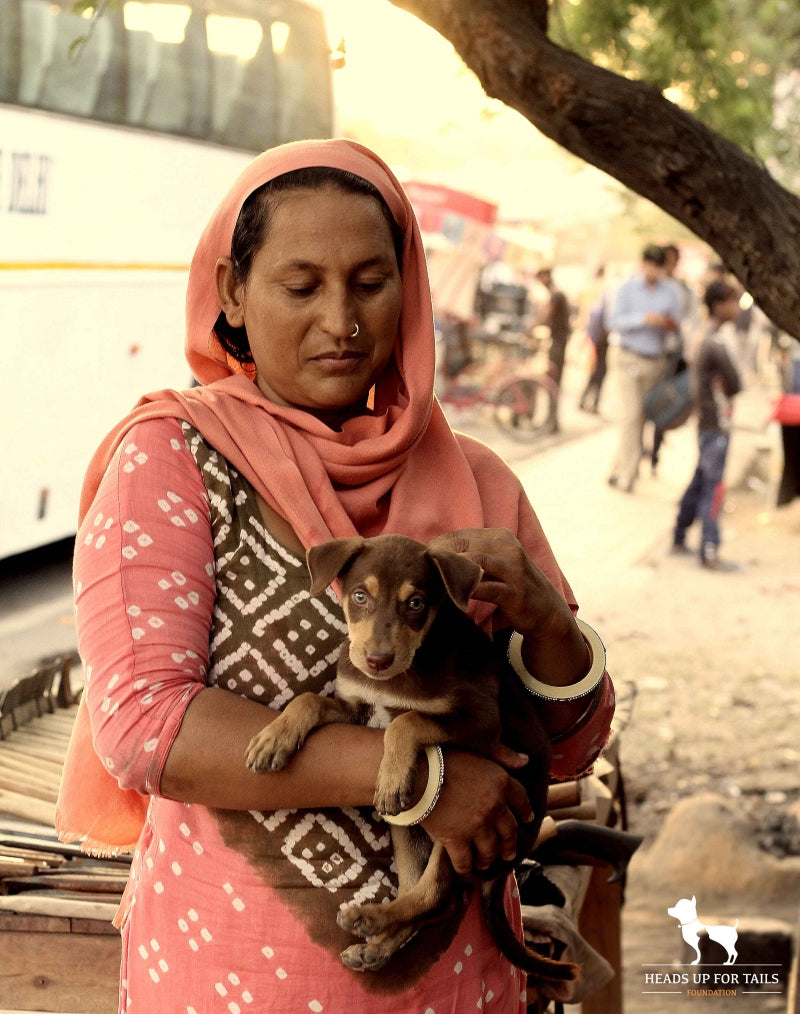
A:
<point x="543" y="970"/>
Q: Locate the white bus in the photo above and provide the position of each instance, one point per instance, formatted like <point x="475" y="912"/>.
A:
<point x="112" y="156"/>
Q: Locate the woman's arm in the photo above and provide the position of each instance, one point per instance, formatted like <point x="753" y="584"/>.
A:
<point x="477" y="812"/>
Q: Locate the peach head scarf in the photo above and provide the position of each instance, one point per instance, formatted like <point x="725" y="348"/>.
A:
<point x="398" y="469"/>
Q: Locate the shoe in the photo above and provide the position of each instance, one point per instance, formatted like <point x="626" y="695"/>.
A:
<point x="709" y="560"/>
<point x="680" y="549"/>
<point x="720" y="566"/>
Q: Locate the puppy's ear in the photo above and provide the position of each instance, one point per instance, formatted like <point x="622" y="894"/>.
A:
<point x="326" y="560"/>
<point x="460" y="575"/>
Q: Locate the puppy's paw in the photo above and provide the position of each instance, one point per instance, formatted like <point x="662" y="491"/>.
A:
<point x="394" y="797"/>
<point x="364" y="958"/>
<point x="361" y="920"/>
<point x="374" y="953"/>
<point x="272" y="748"/>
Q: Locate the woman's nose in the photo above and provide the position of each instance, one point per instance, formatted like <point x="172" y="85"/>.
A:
<point x="337" y="314"/>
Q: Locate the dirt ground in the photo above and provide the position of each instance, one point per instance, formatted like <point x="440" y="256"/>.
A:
<point x="718" y="701"/>
<point x="717" y="710"/>
<point x="714" y="663"/>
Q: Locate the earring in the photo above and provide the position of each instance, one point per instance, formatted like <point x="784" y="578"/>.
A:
<point x="355" y="331"/>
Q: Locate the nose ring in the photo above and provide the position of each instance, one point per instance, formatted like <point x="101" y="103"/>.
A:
<point x="354" y="333"/>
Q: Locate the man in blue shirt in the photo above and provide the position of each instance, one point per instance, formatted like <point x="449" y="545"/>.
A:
<point x="646" y="310"/>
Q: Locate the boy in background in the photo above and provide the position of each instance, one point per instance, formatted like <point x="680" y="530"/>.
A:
<point x="715" y="381"/>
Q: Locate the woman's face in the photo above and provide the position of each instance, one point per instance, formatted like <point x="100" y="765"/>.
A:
<point x="328" y="264"/>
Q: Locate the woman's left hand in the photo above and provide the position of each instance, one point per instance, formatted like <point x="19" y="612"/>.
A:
<point x="511" y="581"/>
<point x="553" y="646"/>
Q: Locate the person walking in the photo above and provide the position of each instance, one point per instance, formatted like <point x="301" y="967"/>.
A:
<point x="556" y="317"/>
<point x="646" y="310"/>
<point x="674" y="344"/>
<point x="597" y="332"/>
<point x="715" y="381"/>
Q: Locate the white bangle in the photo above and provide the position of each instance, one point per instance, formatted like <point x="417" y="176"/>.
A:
<point x="574" y="690"/>
<point x="430" y="797"/>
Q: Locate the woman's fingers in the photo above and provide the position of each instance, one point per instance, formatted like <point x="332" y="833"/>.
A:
<point x="518" y="801"/>
<point x="477" y="816"/>
<point x="460" y="853"/>
<point x="511" y="580"/>
<point x="486" y="849"/>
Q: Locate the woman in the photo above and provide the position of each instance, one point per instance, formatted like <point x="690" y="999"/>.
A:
<point x="309" y="324"/>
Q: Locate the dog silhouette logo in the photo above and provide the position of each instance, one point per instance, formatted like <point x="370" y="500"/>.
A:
<point x="685" y="911"/>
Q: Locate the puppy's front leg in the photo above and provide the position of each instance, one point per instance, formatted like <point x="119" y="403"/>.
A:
<point x="276" y="744"/>
<point x="403" y="740"/>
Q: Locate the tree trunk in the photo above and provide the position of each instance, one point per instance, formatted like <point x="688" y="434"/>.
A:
<point x="630" y="131"/>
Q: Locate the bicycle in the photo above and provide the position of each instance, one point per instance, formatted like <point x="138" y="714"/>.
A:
<point x="506" y="379"/>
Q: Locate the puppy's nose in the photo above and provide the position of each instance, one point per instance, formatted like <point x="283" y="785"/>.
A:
<point x="379" y="662"/>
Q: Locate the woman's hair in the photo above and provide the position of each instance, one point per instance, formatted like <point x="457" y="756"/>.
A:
<point x="253" y="224"/>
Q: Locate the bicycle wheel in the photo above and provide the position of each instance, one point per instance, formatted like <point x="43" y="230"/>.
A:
<point x="523" y="407"/>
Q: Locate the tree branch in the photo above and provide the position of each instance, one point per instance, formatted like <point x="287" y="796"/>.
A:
<point x="630" y="131"/>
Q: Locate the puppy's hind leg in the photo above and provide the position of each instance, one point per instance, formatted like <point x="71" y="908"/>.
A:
<point x="420" y="900"/>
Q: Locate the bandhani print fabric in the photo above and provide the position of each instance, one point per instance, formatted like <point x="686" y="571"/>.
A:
<point x="228" y="911"/>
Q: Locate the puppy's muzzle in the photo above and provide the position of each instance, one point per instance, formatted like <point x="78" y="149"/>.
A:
<point x="379" y="661"/>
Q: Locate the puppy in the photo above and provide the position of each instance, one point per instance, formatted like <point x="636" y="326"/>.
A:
<point x="417" y="666"/>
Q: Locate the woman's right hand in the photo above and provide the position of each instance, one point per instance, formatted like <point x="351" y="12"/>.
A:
<point x="479" y="808"/>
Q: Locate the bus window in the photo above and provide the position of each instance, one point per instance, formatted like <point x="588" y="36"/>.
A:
<point x="303" y="73"/>
<point x="244" y="117"/>
<point x="238" y="56"/>
<point x="38" y="34"/>
<point x="159" y="60"/>
<point x="280" y="76"/>
<point x="10" y="50"/>
<point x="72" y="82"/>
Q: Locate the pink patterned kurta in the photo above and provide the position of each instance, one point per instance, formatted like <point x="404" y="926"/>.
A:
<point x="179" y="586"/>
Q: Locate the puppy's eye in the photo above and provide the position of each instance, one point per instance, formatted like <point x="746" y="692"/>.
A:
<point x="359" y="596"/>
<point x="416" y="603"/>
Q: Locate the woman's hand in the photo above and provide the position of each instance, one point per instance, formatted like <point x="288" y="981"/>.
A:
<point x="553" y="648"/>
<point x="511" y="581"/>
<point x="479" y="808"/>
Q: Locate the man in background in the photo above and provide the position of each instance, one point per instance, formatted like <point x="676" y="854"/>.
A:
<point x="675" y="344"/>
<point x="645" y="312"/>
<point x="715" y="381"/>
<point x="556" y="317"/>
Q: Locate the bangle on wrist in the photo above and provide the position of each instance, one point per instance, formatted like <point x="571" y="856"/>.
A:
<point x="430" y="797"/>
<point x="574" y="690"/>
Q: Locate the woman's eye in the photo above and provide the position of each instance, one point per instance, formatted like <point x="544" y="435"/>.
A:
<point x="371" y="286"/>
<point x="300" y="290"/>
<point x="416" y="603"/>
<point x="359" y="597"/>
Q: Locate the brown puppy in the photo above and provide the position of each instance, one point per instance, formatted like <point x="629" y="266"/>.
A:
<point x="417" y="666"/>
